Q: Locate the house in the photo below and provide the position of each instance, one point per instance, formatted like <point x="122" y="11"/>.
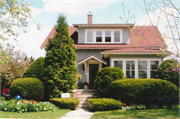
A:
<point x="137" y="50"/>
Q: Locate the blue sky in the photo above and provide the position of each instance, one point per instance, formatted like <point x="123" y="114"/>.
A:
<point x="46" y="13"/>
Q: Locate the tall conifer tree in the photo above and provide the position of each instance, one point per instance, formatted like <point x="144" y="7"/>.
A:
<point x="60" y="73"/>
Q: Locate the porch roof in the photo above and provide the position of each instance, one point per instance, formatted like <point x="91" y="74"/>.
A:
<point x="92" y="56"/>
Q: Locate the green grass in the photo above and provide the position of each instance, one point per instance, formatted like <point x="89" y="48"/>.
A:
<point x="153" y="113"/>
<point x="35" y="115"/>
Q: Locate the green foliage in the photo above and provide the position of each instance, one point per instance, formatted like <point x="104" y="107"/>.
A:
<point x="60" y="69"/>
<point x="65" y="103"/>
<point x="35" y="69"/>
<point x="103" y="104"/>
<point x="34" y="87"/>
<point x="26" y="106"/>
<point x="144" y="91"/>
<point x="106" y="76"/>
<point x="168" y="71"/>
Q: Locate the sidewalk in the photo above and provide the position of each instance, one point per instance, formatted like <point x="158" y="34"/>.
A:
<point x="78" y="114"/>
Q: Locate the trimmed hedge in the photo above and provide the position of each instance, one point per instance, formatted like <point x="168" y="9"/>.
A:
<point x="106" y="76"/>
<point x="34" y="87"/>
<point x="144" y="91"/>
<point x="103" y="104"/>
<point x="65" y="103"/>
<point x="168" y="71"/>
<point x="36" y="69"/>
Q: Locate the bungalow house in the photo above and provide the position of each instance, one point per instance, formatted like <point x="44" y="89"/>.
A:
<point x="137" y="50"/>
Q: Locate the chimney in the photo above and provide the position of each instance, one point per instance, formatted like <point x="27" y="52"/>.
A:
<point x="90" y="17"/>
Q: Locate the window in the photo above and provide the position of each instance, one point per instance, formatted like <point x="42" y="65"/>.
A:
<point x="118" y="64"/>
<point x="98" y="36"/>
<point x="107" y="36"/>
<point x="89" y="36"/>
<point x="130" y="69"/>
<point x="116" y="36"/>
<point x="142" y="69"/>
<point x="154" y="65"/>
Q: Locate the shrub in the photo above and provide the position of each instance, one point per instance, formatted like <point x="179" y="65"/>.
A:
<point x="106" y="76"/>
<point x="34" y="87"/>
<point x="168" y="70"/>
<point x="35" y="69"/>
<point x="103" y="104"/>
<point x="66" y="103"/>
<point x="26" y="106"/>
<point x="144" y="91"/>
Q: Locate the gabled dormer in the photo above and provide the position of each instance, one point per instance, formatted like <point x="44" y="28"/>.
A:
<point x="103" y="33"/>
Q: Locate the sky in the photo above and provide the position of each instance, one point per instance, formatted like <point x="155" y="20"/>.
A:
<point x="46" y="12"/>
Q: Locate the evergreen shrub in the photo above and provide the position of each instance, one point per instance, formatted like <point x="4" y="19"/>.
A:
<point x="103" y="104"/>
<point x="34" y="87"/>
<point x="60" y="74"/>
<point x="144" y="91"/>
<point x="106" y="76"/>
<point x="65" y="103"/>
<point x="35" y="69"/>
<point x="168" y="70"/>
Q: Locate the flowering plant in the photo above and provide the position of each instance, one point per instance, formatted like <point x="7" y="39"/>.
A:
<point x="26" y="106"/>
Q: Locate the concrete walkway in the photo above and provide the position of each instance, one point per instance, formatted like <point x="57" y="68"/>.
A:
<point x="78" y="114"/>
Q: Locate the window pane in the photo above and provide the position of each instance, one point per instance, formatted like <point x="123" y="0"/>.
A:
<point x="142" y="74"/>
<point x="90" y="33"/>
<point x="116" y="33"/>
<point x="118" y="64"/>
<point x="153" y="74"/>
<point x="89" y="39"/>
<point x="130" y="74"/>
<point x="116" y="39"/>
<point x="98" y="39"/>
<point x="130" y="65"/>
<point x="108" y="33"/>
<point x="107" y="39"/>
<point x="142" y="65"/>
<point x="154" y="65"/>
<point x="98" y="33"/>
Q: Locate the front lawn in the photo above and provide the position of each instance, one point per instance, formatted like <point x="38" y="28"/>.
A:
<point x="35" y="115"/>
<point x="153" y="113"/>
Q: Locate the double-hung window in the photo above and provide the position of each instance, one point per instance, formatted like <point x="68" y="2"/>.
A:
<point x="107" y="36"/>
<point x="89" y="36"/>
<point x="98" y="36"/>
<point x="116" y="36"/>
<point x="154" y="65"/>
<point x="142" y="69"/>
<point x="118" y="64"/>
<point x="130" y="69"/>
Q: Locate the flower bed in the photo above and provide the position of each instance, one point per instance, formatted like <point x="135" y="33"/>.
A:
<point x="26" y="106"/>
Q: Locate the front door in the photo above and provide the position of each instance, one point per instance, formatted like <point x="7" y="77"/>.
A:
<point x="93" y="70"/>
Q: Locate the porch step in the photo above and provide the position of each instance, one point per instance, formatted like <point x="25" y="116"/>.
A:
<point x="83" y="95"/>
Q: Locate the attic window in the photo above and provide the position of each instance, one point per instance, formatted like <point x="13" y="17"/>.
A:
<point x="116" y="36"/>
<point x="98" y="36"/>
<point x="107" y="36"/>
<point x="90" y="36"/>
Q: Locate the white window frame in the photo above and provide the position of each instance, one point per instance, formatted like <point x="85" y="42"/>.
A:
<point x="103" y="36"/>
<point x="136" y="59"/>
<point x="150" y="66"/>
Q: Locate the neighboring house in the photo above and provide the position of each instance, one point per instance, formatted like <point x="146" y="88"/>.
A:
<point x="135" y="49"/>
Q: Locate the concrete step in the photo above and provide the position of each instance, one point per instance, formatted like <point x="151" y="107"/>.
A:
<point x="82" y="107"/>
<point x="86" y="95"/>
<point x="83" y="103"/>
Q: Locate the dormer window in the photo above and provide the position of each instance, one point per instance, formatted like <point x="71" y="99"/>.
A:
<point x="107" y="36"/>
<point x="102" y="36"/>
<point x="89" y="36"/>
<point x="98" y="36"/>
<point x="116" y="36"/>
